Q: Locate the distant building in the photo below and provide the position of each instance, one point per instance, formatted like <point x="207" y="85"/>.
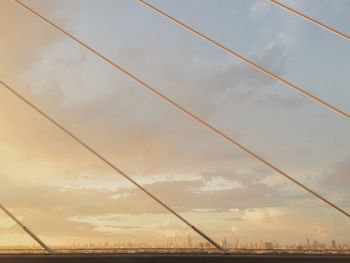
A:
<point x="268" y="245"/>
<point x="300" y="247"/>
<point x="237" y="245"/>
<point x="224" y="243"/>
<point x="334" y="245"/>
<point x="189" y="242"/>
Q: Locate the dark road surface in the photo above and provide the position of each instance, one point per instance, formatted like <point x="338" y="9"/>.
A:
<point x="147" y="258"/>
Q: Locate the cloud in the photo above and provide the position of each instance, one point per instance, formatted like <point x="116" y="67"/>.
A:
<point x="246" y="192"/>
<point x="336" y="181"/>
<point x="123" y="121"/>
<point x="85" y="212"/>
<point x="26" y="34"/>
<point x="6" y="222"/>
<point x="64" y="216"/>
<point x="116" y="116"/>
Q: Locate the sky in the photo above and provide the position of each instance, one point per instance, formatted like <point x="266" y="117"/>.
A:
<point x="66" y="195"/>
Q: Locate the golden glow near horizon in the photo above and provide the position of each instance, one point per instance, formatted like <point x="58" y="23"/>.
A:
<point x="66" y="196"/>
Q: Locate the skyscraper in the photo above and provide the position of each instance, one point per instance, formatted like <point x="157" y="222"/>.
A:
<point x="189" y="242"/>
<point x="268" y="245"/>
<point x="334" y="245"/>
<point x="224" y="243"/>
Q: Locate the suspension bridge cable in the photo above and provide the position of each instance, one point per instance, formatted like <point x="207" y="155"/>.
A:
<point x="187" y="112"/>
<point x="312" y="20"/>
<point x="110" y="164"/>
<point x="26" y="229"/>
<point x="248" y="62"/>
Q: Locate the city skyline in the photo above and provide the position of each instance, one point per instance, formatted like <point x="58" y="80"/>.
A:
<point x="195" y="244"/>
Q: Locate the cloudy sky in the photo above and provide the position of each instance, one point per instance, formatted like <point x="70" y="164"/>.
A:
<point x="66" y="195"/>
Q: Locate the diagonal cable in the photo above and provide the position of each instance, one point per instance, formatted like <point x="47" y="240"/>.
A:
<point x="110" y="164"/>
<point x="26" y="229"/>
<point x="312" y="20"/>
<point x="185" y="111"/>
<point x="248" y="62"/>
